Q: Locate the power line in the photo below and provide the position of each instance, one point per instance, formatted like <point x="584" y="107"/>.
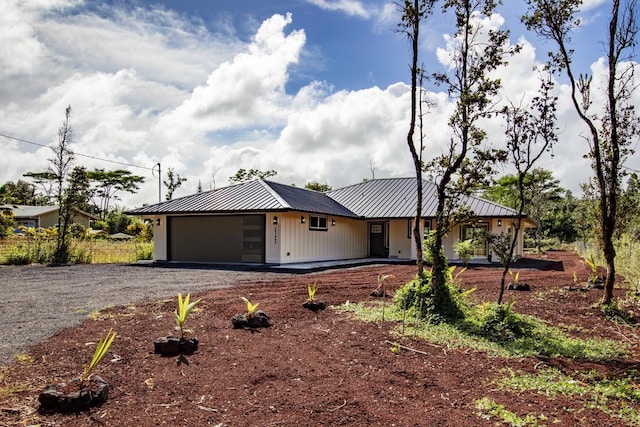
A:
<point x="79" y="154"/>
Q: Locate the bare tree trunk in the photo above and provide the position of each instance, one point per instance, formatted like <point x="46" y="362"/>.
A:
<point x="414" y="32"/>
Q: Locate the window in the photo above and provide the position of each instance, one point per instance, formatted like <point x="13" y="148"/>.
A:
<point x="317" y="222"/>
<point x="427" y="227"/>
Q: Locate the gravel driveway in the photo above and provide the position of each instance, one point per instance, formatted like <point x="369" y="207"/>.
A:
<point x="38" y="301"/>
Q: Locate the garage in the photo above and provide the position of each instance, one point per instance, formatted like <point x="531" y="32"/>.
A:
<point x="218" y="238"/>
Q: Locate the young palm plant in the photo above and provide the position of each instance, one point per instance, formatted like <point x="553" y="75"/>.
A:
<point x="251" y="307"/>
<point x="182" y="312"/>
<point x="101" y="350"/>
<point x="311" y="291"/>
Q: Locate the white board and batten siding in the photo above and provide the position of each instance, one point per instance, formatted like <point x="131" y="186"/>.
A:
<point x="291" y="241"/>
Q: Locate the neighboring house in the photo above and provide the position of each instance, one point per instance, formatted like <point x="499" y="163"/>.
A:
<point x="270" y="223"/>
<point x="45" y="216"/>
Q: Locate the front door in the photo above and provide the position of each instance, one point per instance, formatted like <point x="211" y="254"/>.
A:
<point x="377" y="240"/>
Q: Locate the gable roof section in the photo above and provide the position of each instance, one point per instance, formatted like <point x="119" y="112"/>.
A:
<point x="397" y="198"/>
<point x="24" y="211"/>
<point x="252" y="196"/>
<point x="302" y="199"/>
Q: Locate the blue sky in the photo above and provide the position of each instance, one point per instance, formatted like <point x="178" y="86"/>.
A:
<point x="315" y="89"/>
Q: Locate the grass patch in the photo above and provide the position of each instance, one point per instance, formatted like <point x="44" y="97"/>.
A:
<point x="7" y="390"/>
<point x="489" y="409"/>
<point x="109" y="313"/>
<point x="23" y="358"/>
<point x="492" y="331"/>
<point x="616" y="397"/>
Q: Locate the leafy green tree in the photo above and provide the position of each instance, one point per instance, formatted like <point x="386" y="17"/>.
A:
<point x="562" y="218"/>
<point x="7" y="223"/>
<point x="142" y="230"/>
<point x="243" y="175"/>
<point x="315" y="185"/>
<point x="46" y="180"/>
<point x="107" y="184"/>
<point x="629" y="212"/>
<point x="173" y="182"/>
<point x="530" y="132"/>
<point x="466" y="164"/>
<point x="116" y="221"/>
<point x="612" y="128"/>
<point x="18" y="193"/>
<point x="540" y="190"/>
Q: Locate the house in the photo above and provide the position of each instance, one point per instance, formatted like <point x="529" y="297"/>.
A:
<point x="270" y="223"/>
<point x="45" y="216"/>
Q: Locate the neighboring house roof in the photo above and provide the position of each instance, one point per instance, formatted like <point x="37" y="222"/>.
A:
<point x="25" y="211"/>
<point x="379" y="198"/>
<point x="252" y="196"/>
<point x="121" y="236"/>
<point x="397" y="198"/>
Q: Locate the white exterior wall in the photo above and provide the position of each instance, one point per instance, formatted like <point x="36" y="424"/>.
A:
<point x="505" y="227"/>
<point x="400" y="246"/>
<point x="396" y="232"/>
<point x="291" y="241"/>
<point x="272" y="242"/>
<point x="159" y="237"/>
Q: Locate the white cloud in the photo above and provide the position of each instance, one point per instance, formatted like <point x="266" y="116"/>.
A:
<point x="246" y="91"/>
<point x="350" y="7"/>
<point x="206" y="104"/>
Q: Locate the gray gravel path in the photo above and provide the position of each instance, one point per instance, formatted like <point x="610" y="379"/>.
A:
<point x="38" y="301"/>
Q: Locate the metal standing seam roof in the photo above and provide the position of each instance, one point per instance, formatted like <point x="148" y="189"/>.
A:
<point x="252" y="196"/>
<point x="397" y="198"/>
<point x="380" y="198"/>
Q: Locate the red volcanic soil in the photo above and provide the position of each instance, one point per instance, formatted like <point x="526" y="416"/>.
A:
<point x="313" y="369"/>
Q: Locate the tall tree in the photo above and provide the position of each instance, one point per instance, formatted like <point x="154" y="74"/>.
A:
<point x="243" y="175"/>
<point x="465" y="165"/>
<point x="46" y="180"/>
<point x="613" y="127"/>
<point x="109" y="183"/>
<point x="18" y="193"/>
<point x="530" y="132"/>
<point x="60" y="167"/>
<point x="173" y="182"/>
<point x="413" y="13"/>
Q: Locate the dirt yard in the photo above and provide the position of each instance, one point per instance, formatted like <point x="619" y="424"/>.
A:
<point x="308" y="369"/>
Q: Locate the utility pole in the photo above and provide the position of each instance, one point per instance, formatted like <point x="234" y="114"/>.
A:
<point x="159" y="181"/>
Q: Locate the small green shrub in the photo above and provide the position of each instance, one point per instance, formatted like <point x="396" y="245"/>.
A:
<point x="615" y="312"/>
<point x="448" y="303"/>
<point x="499" y="323"/>
<point x="464" y="249"/>
<point x="19" y="255"/>
<point x="80" y="255"/>
<point x="144" y="250"/>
